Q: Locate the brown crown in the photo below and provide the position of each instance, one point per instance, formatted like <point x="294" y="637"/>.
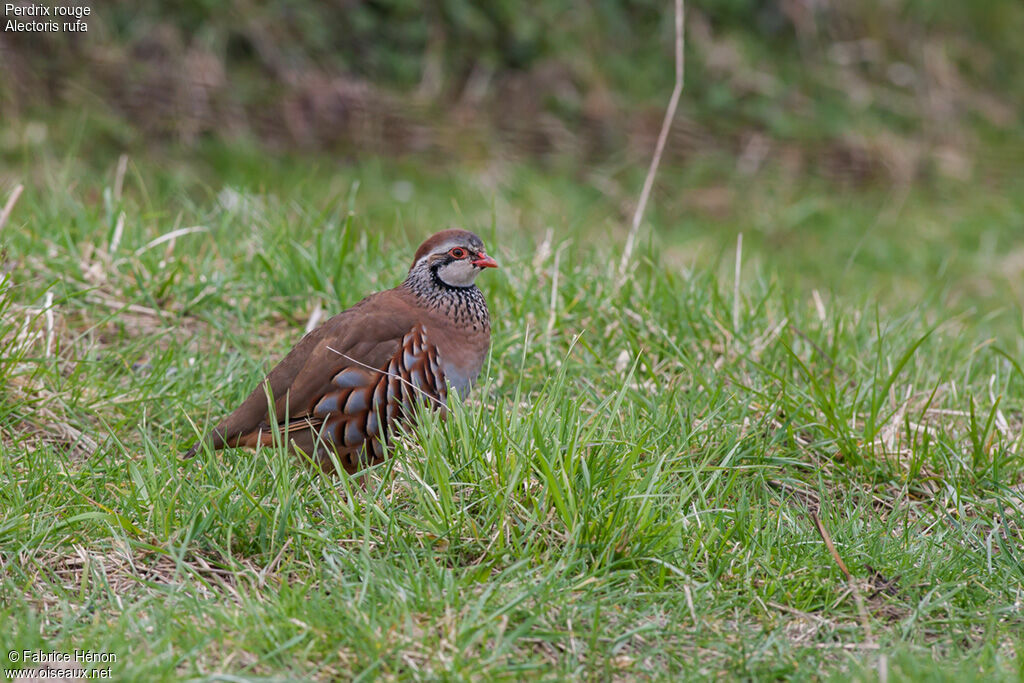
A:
<point x="431" y="244"/>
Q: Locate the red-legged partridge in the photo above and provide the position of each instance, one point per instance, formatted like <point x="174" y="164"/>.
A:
<point x="347" y="383"/>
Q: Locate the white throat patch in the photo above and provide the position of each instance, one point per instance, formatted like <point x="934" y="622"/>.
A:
<point x="459" y="273"/>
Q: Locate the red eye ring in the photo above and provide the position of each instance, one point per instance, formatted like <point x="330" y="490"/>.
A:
<point x="457" y="252"/>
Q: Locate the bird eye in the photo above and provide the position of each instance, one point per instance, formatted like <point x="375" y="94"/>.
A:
<point x="457" y="252"/>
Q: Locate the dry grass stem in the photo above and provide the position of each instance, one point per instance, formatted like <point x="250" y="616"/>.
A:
<point x="115" y="241"/>
<point x="168" y="237"/>
<point x="122" y="167"/>
<point x="12" y="199"/>
<point x="854" y="590"/>
<point x="659" y="149"/>
<point x="736" y="282"/>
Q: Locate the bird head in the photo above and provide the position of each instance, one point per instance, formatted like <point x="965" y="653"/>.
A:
<point x="453" y="257"/>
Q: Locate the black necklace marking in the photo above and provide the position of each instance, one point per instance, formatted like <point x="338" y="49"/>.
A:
<point x="441" y="283"/>
<point x="462" y="305"/>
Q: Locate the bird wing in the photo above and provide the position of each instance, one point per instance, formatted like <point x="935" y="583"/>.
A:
<point x="364" y="336"/>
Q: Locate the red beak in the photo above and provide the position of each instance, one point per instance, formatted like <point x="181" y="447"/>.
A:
<point x="484" y="261"/>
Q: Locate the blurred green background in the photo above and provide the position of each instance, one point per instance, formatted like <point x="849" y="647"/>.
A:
<point x="856" y="92"/>
<point x="873" y="148"/>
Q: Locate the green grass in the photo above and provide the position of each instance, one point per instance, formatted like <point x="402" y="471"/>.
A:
<point x="629" y="491"/>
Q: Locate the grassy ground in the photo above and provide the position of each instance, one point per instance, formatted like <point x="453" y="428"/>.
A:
<point x="631" y="491"/>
